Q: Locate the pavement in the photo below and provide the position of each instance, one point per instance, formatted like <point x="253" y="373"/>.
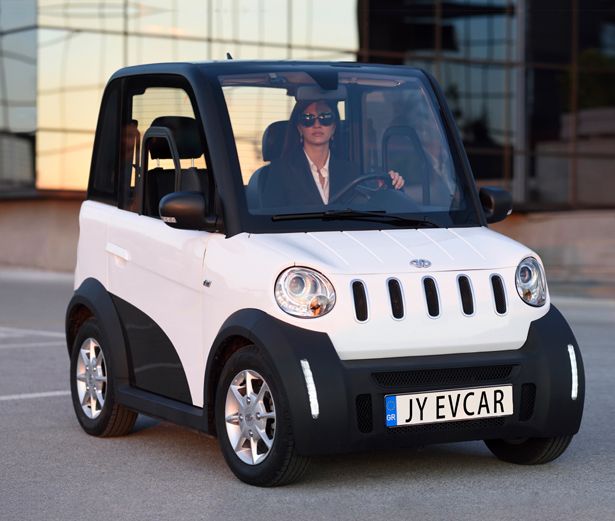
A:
<point x="52" y="470"/>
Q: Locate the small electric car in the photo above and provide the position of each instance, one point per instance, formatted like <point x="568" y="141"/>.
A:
<point x="294" y="257"/>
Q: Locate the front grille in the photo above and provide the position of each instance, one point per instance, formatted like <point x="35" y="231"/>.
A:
<point x="528" y="400"/>
<point x="431" y="291"/>
<point x="431" y="296"/>
<point x="456" y="375"/>
<point x="465" y="291"/>
<point x="360" y="300"/>
<point x="365" y="421"/>
<point x="397" y="301"/>
<point x="456" y="426"/>
<point x="499" y="294"/>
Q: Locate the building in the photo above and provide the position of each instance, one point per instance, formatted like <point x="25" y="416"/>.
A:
<point x="532" y="85"/>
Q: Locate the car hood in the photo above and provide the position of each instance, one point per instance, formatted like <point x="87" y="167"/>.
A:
<point x="392" y="251"/>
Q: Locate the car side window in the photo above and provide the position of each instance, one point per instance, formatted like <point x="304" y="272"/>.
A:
<point x="148" y="165"/>
<point x="104" y="173"/>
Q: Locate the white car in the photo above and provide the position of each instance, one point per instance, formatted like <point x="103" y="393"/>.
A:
<point x="294" y="257"/>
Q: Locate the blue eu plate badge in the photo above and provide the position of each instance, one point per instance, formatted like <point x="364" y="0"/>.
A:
<point x="390" y="403"/>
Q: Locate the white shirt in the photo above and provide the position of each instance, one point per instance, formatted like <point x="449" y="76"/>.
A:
<point x="324" y="171"/>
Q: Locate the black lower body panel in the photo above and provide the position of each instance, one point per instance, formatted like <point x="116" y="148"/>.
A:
<point x="162" y="408"/>
<point x="352" y="394"/>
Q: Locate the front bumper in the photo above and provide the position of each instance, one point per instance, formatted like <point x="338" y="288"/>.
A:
<point x="351" y="393"/>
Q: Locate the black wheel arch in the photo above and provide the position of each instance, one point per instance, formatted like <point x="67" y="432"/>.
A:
<point x="284" y="345"/>
<point x="91" y="299"/>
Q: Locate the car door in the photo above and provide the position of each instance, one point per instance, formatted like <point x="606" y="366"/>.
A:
<point x="155" y="272"/>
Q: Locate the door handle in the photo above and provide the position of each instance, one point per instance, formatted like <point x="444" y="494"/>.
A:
<point x="116" y="251"/>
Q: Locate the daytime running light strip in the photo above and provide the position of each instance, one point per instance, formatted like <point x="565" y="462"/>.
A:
<point x="574" y="392"/>
<point x="311" y="388"/>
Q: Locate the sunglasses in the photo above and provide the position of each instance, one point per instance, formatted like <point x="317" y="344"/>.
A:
<point x="326" y="119"/>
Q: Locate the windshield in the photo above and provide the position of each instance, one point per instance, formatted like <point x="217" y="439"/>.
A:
<point x="345" y="146"/>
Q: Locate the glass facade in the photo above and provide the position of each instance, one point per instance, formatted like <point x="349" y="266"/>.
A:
<point x="17" y="94"/>
<point x="531" y="84"/>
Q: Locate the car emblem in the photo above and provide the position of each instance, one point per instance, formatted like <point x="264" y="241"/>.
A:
<point x="420" y="263"/>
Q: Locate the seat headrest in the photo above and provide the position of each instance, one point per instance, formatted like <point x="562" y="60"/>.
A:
<point x="186" y="134"/>
<point x="273" y="140"/>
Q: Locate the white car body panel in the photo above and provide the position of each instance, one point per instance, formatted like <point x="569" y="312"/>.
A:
<point x="161" y="270"/>
<point x="162" y="277"/>
<point x="374" y="257"/>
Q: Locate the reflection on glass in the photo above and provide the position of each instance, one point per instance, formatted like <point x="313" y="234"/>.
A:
<point x="17" y="93"/>
<point x="83" y="43"/>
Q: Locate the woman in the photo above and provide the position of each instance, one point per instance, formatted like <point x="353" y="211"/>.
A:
<point x="306" y="174"/>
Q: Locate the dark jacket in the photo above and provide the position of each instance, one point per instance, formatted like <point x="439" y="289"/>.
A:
<point x="289" y="181"/>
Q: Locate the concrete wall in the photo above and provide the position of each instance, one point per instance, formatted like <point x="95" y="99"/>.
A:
<point x="39" y="233"/>
<point x="577" y="247"/>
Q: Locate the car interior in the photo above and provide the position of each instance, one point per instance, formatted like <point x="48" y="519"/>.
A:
<point x="160" y="181"/>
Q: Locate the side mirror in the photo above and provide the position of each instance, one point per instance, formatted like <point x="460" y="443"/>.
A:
<point x="186" y="211"/>
<point x="497" y="203"/>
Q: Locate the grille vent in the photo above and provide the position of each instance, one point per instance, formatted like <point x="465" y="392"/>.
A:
<point x="431" y="296"/>
<point x="528" y="400"/>
<point x="498" y="294"/>
<point x="448" y="376"/>
<point x="397" y="301"/>
<point x="360" y="300"/>
<point x="464" y="425"/>
<point x="365" y="421"/>
<point x="465" y="291"/>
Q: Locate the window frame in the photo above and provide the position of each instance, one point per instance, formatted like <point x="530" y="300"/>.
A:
<point x="105" y="117"/>
<point x="135" y="85"/>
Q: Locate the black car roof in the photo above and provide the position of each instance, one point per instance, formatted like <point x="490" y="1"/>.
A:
<point x="238" y="66"/>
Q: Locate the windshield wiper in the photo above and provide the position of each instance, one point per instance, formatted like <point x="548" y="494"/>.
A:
<point x="349" y="214"/>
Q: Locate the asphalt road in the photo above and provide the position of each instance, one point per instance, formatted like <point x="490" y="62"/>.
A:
<point x="50" y="469"/>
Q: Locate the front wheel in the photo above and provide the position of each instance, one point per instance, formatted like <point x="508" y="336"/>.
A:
<point x="529" y="451"/>
<point x="92" y="386"/>
<point x="253" y="423"/>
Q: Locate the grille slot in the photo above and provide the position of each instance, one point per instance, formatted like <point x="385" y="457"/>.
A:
<point x="431" y="297"/>
<point x="456" y="426"/>
<point x="365" y="421"/>
<point x="499" y="294"/>
<point x="456" y="375"/>
<point x="465" y="292"/>
<point x="397" y="300"/>
<point x="528" y="400"/>
<point x="360" y="300"/>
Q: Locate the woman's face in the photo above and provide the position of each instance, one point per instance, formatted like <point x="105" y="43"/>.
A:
<point x="317" y="134"/>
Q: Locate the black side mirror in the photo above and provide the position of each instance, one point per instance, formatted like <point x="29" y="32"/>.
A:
<point x="497" y="203"/>
<point x="186" y="211"/>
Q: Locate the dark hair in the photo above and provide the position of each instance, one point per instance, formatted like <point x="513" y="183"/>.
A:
<point x="291" y="140"/>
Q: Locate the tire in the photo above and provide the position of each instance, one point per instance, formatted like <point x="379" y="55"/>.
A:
<point x="529" y="451"/>
<point x="97" y="411"/>
<point x="255" y="435"/>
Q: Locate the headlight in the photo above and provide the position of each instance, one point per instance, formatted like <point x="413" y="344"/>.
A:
<point x="531" y="283"/>
<point x="304" y="293"/>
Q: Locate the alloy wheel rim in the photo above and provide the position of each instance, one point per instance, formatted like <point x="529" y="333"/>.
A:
<point x="91" y="375"/>
<point x="250" y="417"/>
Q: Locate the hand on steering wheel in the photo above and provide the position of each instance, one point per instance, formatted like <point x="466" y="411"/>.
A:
<point x="396" y="180"/>
<point x="390" y="180"/>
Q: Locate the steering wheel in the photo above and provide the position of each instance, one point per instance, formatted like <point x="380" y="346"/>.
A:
<point x="388" y="183"/>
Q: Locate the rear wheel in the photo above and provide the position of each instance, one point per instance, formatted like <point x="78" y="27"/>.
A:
<point x="529" y="451"/>
<point x="92" y="386"/>
<point x="253" y="423"/>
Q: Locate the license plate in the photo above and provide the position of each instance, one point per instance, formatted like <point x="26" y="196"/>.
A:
<point x="446" y="406"/>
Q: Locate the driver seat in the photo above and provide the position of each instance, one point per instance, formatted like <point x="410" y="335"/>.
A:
<point x="273" y="143"/>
